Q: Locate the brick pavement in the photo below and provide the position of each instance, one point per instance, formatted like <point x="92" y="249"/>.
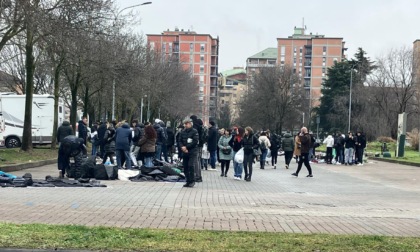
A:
<point x="378" y="198"/>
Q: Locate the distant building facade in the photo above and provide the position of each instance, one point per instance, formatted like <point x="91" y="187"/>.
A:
<point x="265" y="58"/>
<point x="198" y="53"/>
<point x="310" y="56"/>
<point x="416" y="64"/>
<point x="231" y="88"/>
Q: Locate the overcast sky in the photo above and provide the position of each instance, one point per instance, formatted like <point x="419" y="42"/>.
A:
<point x="246" y="27"/>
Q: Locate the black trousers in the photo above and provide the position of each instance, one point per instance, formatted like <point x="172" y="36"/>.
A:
<point x="288" y="155"/>
<point x="225" y="164"/>
<point x="248" y="160"/>
<point x="304" y="159"/>
<point x="359" y="155"/>
<point x="274" y="156"/>
<point x="189" y="161"/>
<point x="329" y="155"/>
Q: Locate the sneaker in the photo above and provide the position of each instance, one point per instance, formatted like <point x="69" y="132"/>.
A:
<point x="287" y="167"/>
<point x="294" y="174"/>
<point x="237" y="178"/>
<point x="274" y="167"/>
<point x="360" y="164"/>
<point x="310" y="176"/>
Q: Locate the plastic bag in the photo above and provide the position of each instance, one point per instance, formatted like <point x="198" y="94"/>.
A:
<point x="239" y="156"/>
<point x="269" y="153"/>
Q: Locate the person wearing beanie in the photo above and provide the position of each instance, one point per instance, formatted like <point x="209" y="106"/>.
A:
<point x="212" y="144"/>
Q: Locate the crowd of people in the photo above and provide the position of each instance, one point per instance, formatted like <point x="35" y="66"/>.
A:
<point x="199" y="147"/>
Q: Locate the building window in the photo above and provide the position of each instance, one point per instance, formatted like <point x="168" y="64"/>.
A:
<point x="323" y="70"/>
<point x="335" y="60"/>
<point x="307" y="83"/>
<point x="202" y="59"/>
<point x="164" y="48"/>
<point x="294" y="70"/>
<point x="170" y="47"/>
<point x="323" y="61"/>
<point x="191" y="58"/>
<point x="300" y="50"/>
<point x="201" y="89"/>
<point x="191" y="46"/>
<point x="282" y="50"/>
<point x="201" y="69"/>
<point x="294" y="60"/>
<point x="294" y="50"/>
<point x="324" y="50"/>
<point x="152" y="45"/>
<point x="202" y="47"/>
<point x="201" y="79"/>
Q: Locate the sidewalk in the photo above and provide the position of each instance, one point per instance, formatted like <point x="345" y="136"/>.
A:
<point x="377" y="198"/>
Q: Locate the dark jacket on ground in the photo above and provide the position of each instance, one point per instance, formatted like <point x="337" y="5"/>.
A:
<point x="288" y="142"/>
<point x="109" y="140"/>
<point x="305" y="143"/>
<point x="64" y="130"/>
<point x="186" y="134"/>
<point x="212" y="139"/>
<point x="123" y="138"/>
<point x="249" y="143"/>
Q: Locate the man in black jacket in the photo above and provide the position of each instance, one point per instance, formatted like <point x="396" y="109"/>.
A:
<point x="71" y="146"/>
<point x="82" y="129"/>
<point x="212" y="144"/>
<point x="198" y="125"/>
<point x="101" y="133"/>
<point x="189" y="147"/>
<point x="64" y="130"/>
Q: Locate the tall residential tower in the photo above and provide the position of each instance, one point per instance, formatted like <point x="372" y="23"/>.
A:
<point x="198" y="53"/>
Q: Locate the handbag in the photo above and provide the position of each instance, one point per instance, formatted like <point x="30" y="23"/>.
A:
<point x="226" y="151"/>
<point x="257" y="151"/>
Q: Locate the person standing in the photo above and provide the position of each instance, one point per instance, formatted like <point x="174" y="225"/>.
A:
<point x="161" y="138"/>
<point x="101" y="133"/>
<point x="147" y="145"/>
<point x="249" y="143"/>
<point x="109" y="144"/>
<point x="82" y="129"/>
<point x="360" y="147"/>
<point x="275" y="146"/>
<point x="171" y="140"/>
<point x="288" y="146"/>
<point x="198" y="125"/>
<point x="212" y="144"/>
<point x="225" y="152"/>
<point x="235" y="143"/>
<point x="264" y="145"/>
<point x="123" y="138"/>
<point x="64" y="130"/>
<point x="135" y="148"/>
<point x="329" y="141"/>
<point x="349" y="149"/>
<point x="305" y="145"/>
<point x="189" y="147"/>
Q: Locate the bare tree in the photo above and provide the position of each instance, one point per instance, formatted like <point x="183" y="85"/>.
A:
<point x="274" y="94"/>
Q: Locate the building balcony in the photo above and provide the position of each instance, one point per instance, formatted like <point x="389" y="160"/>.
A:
<point x="307" y="76"/>
<point x="260" y="65"/>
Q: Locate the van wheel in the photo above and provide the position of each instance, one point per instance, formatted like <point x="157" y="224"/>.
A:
<point x="13" y="142"/>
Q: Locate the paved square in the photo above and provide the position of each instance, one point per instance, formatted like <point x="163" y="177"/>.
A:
<point x="377" y="198"/>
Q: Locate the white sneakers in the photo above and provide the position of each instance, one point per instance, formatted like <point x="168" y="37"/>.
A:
<point x="360" y="164"/>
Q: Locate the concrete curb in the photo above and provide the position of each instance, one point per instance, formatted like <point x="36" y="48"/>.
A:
<point x="18" y="167"/>
<point x="388" y="160"/>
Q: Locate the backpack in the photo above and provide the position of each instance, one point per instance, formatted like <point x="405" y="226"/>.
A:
<point x="263" y="146"/>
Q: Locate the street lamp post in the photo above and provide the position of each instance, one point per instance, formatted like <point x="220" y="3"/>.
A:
<point x="113" y="81"/>
<point x="351" y="84"/>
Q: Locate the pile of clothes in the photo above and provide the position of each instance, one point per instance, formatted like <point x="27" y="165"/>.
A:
<point x="10" y="180"/>
<point x="161" y="171"/>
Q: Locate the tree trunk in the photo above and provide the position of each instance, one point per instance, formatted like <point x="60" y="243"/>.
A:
<point x="30" y="69"/>
<point x="56" y="100"/>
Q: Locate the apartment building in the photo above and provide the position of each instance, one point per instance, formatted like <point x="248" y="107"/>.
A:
<point x="231" y="88"/>
<point x="265" y="58"/>
<point x="310" y="56"/>
<point x="198" y="53"/>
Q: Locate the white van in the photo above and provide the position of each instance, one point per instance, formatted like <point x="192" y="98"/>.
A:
<point x="12" y="116"/>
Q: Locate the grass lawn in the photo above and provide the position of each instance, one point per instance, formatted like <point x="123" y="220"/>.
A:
<point x="16" y="156"/>
<point x="42" y="236"/>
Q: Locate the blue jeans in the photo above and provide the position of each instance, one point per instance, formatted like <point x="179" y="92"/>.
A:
<point x="213" y="157"/>
<point x="126" y="154"/>
<point x="148" y="161"/>
<point x="158" y="151"/>
<point x="237" y="167"/>
<point x="93" y="148"/>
